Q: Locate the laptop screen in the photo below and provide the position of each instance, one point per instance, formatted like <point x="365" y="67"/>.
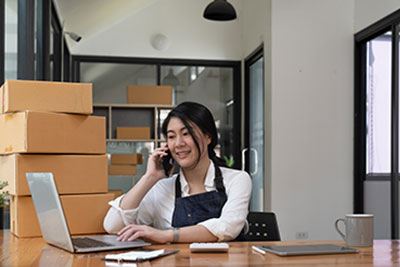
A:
<point x="49" y="210"/>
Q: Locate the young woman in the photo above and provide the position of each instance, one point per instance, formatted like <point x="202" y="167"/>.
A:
<point x="203" y="203"/>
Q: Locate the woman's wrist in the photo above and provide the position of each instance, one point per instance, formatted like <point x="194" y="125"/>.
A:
<point x="169" y="236"/>
<point x="175" y="235"/>
<point x="152" y="178"/>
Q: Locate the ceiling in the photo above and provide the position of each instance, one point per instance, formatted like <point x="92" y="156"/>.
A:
<point x="88" y="17"/>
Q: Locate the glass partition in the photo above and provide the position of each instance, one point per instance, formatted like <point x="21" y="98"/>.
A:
<point x="11" y="37"/>
<point x="111" y="79"/>
<point x="210" y="86"/>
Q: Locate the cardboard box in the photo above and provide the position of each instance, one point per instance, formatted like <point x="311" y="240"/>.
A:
<point x="126" y="159"/>
<point x="116" y="193"/>
<point x="42" y="132"/>
<point x="122" y="169"/>
<point x="74" y="174"/>
<point x="140" y="94"/>
<point x="84" y="213"/>
<point x="46" y="96"/>
<point x="133" y="132"/>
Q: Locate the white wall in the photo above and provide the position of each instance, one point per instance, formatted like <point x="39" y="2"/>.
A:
<point x="368" y="12"/>
<point x="190" y="35"/>
<point x="255" y="24"/>
<point x="312" y="107"/>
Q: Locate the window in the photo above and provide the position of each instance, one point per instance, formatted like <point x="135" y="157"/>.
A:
<point x="378" y="81"/>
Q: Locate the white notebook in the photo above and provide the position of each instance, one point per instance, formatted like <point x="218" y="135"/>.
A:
<point x="139" y="255"/>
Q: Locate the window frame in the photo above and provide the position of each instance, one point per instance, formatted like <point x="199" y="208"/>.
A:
<point x="389" y="23"/>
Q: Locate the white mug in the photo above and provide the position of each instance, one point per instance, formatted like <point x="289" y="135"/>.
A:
<point x="359" y="229"/>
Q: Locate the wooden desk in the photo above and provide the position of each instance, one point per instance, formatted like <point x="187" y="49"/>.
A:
<point x="35" y="252"/>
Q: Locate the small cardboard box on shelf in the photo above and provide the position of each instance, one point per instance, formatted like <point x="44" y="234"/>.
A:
<point x="126" y="159"/>
<point x="141" y="94"/>
<point x="122" y="169"/>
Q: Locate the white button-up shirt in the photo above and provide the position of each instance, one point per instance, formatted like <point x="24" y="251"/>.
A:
<point x="157" y="207"/>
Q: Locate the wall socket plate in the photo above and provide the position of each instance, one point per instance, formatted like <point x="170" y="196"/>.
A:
<point x="301" y="235"/>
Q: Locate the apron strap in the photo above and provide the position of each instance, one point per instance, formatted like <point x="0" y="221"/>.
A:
<point x="219" y="184"/>
<point x="178" y="193"/>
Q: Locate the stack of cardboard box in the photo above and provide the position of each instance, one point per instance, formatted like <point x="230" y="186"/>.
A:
<point x="46" y="127"/>
<point x="124" y="164"/>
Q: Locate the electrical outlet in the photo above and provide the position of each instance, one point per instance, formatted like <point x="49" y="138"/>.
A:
<point x="302" y="235"/>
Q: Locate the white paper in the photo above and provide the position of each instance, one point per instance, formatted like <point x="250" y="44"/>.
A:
<point x="124" y="264"/>
<point x="135" y="255"/>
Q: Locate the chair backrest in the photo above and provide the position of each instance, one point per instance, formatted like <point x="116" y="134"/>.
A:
<point x="263" y="226"/>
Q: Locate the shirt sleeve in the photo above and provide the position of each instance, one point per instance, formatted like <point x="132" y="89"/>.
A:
<point x="233" y="215"/>
<point x="118" y="218"/>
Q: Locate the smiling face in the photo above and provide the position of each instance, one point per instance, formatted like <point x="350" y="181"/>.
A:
<point x="182" y="146"/>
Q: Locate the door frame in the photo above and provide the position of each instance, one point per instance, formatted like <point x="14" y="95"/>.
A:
<point x="249" y="60"/>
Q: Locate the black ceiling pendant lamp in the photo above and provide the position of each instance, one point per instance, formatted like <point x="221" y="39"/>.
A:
<point x="220" y="10"/>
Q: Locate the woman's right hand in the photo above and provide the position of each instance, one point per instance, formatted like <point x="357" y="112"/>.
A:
<point x="154" y="164"/>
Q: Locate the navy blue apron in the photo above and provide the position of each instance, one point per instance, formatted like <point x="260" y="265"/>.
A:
<point x="200" y="207"/>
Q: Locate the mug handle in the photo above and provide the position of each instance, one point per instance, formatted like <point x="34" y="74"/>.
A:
<point x="337" y="228"/>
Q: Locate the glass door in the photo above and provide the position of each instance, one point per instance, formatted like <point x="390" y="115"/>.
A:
<point x="253" y="153"/>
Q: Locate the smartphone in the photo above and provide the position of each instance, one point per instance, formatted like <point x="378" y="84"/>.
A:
<point x="167" y="163"/>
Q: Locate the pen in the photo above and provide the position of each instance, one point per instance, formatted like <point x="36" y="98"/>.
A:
<point x="259" y="250"/>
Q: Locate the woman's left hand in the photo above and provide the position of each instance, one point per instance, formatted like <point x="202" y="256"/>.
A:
<point x="147" y="233"/>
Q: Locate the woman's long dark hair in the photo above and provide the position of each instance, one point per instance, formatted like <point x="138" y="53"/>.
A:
<point x="191" y="112"/>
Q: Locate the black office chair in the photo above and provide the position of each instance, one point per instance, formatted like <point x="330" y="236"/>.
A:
<point x="263" y="226"/>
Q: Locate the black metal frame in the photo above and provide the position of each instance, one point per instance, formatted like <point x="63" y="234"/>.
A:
<point x="235" y="65"/>
<point x="46" y="16"/>
<point x="66" y="63"/>
<point x="389" y="23"/>
<point x="43" y="40"/>
<point x="2" y="40"/>
<point x="394" y="181"/>
<point x="249" y="60"/>
<point x="26" y="29"/>
<point x="57" y="39"/>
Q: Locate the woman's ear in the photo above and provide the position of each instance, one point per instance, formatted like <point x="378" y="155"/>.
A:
<point x="209" y="139"/>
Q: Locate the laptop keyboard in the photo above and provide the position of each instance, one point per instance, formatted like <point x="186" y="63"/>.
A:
<point x="86" y="242"/>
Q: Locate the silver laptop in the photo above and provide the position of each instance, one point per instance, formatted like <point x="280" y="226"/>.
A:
<point x="315" y="249"/>
<point x="54" y="225"/>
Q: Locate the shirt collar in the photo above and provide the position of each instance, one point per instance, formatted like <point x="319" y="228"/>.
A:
<point x="208" y="182"/>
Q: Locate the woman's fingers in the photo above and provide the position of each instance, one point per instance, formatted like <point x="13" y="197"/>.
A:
<point x="135" y="236"/>
<point x="123" y="230"/>
<point x="147" y="233"/>
<point x="160" y="152"/>
<point x="130" y="232"/>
